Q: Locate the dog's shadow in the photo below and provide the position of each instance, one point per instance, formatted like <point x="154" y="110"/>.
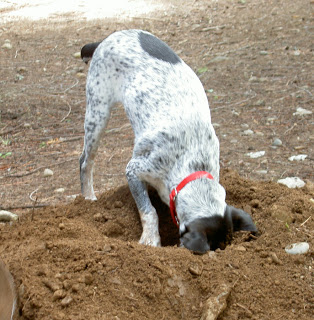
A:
<point x="169" y="233"/>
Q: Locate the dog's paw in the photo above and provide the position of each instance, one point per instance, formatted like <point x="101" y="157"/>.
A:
<point x="149" y="239"/>
<point x="90" y="197"/>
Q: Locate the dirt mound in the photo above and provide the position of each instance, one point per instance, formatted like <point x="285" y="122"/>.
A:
<point x="82" y="260"/>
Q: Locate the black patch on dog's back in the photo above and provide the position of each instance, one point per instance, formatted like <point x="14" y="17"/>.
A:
<point x="157" y="48"/>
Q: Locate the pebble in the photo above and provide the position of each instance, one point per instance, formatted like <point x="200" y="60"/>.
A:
<point x="256" y="79"/>
<point x="277" y="142"/>
<point x="292" y="182"/>
<point x="48" y="173"/>
<point x="215" y="305"/>
<point x="66" y="301"/>
<point x="7" y="45"/>
<point x="51" y="285"/>
<point x="195" y="270"/>
<point x="263" y="53"/>
<point x="248" y="132"/>
<point x="60" y="190"/>
<point x="98" y="216"/>
<point x="299" y="157"/>
<point x="301" y="112"/>
<point x="88" y="279"/>
<point x="59" y="294"/>
<point x="260" y="103"/>
<point x="77" y="55"/>
<point x="118" y="204"/>
<point x="8" y="216"/>
<point x="255" y="155"/>
<point x="297" y="248"/>
<point x="274" y="258"/>
<point x="240" y="248"/>
<point x="76" y="287"/>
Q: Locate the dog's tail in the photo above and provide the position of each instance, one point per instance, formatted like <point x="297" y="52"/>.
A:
<point x="88" y="51"/>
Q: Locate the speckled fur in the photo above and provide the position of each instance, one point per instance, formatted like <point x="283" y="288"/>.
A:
<point x="170" y="116"/>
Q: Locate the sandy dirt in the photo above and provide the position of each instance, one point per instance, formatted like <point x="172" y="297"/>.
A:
<point x="75" y="259"/>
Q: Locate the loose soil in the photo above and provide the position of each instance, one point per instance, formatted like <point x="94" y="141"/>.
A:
<point x="76" y="259"/>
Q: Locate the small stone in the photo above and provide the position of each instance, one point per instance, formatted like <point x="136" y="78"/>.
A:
<point x="297" y="248"/>
<point x="301" y="112"/>
<point x="255" y="155"/>
<point x="61" y="226"/>
<point x="107" y="248"/>
<point x="248" y="132"/>
<point x="195" y="270"/>
<point x="59" y="294"/>
<point x="263" y="53"/>
<point x="299" y="157"/>
<point x="8" y="216"/>
<point x="81" y="75"/>
<point x="260" y="103"/>
<point x="274" y="258"/>
<point x="66" y="301"/>
<point x="255" y="203"/>
<point x="118" y="204"/>
<point x="19" y="77"/>
<point x="277" y="142"/>
<point x="77" y="55"/>
<point x="88" y="279"/>
<point x="51" y="285"/>
<point x="76" y="287"/>
<point x="66" y="284"/>
<point x="271" y="120"/>
<point x="59" y="190"/>
<point x="292" y="182"/>
<point x="48" y="173"/>
<point x="98" y="216"/>
<point x="240" y="248"/>
<point x="7" y="45"/>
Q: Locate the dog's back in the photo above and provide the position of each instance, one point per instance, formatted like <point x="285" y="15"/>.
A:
<point x="158" y="87"/>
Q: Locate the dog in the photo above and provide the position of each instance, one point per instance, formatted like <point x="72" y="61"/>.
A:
<point x="176" y="150"/>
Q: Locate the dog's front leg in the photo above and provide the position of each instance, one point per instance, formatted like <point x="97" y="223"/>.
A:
<point x="148" y="214"/>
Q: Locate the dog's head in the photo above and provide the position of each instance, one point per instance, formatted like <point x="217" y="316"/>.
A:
<point x="210" y="233"/>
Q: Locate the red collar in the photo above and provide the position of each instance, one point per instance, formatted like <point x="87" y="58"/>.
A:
<point x="173" y="194"/>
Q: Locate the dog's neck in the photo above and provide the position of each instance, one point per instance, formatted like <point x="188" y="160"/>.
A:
<point x="204" y="197"/>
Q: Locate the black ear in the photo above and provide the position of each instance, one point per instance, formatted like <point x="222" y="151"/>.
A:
<point x="240" y="219"/>
<point x="195" y="241"/>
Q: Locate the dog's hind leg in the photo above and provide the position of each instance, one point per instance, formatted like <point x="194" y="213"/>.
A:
<point x="148" y="214"/>
<point x="96" y="118"/>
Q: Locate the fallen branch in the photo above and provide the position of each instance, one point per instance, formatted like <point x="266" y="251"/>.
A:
<point x="10" y="130"/>
<point x="27" y="206"/>
<point x="20" y="175"/>
<point x="70" y="109"/>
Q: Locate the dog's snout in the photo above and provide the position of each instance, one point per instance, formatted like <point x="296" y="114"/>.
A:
<point x="196" y="242"/>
